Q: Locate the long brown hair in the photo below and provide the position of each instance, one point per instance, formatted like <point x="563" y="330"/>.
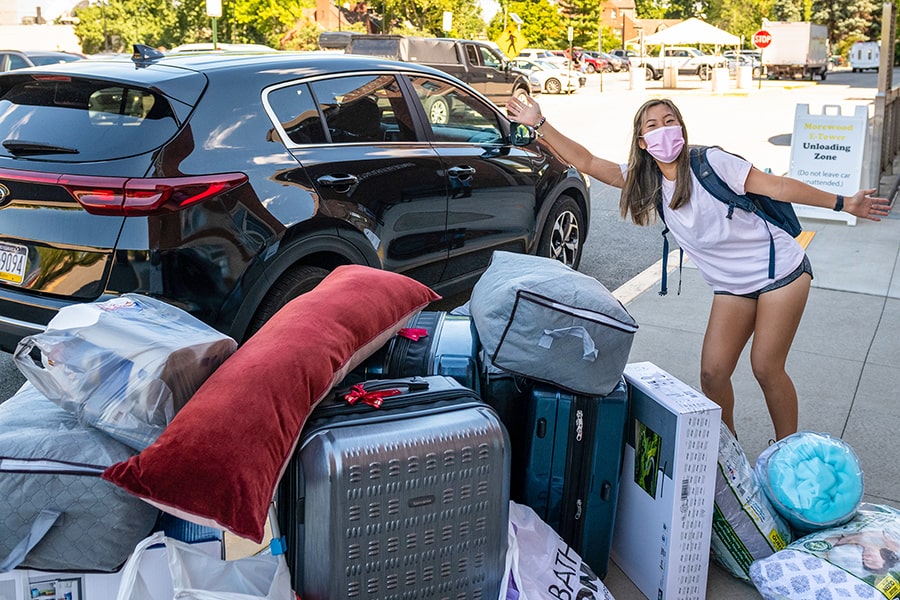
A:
<point x="643" y="184"/>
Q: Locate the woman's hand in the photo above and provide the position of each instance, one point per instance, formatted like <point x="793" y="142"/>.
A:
<point x="527" y="112"/>
<point x="866" y="207"/>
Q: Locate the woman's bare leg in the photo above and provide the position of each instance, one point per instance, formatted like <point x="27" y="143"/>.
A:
<point x="731" y="321"/>
<point x="777" y="317"/>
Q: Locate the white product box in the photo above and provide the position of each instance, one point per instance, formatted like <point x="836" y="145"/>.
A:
<point x="666" y="493"/>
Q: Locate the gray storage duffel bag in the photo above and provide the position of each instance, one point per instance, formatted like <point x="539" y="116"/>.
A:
<point x="540" y="319"/>
<point x="56" y="514"/>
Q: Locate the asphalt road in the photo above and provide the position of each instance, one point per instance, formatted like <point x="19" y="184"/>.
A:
<point x="756" y="123"/>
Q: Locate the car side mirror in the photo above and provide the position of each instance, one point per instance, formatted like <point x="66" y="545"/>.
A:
<point x="521" y="134"/>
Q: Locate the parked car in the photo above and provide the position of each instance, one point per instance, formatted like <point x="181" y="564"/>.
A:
<point x="616" y="63"/>
<point x="546" y="55"/>
<point x="209" y="47"/>
<point x="594" y="62"/>
<point x="626" y="54"/>
<point x="20" y="59"/>
<point x="744" y="58"/>
<point x="228" y="184"/>
<point x="553" y="80"/>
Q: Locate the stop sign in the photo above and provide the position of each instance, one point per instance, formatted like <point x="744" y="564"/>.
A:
<point x="762" y="38"/>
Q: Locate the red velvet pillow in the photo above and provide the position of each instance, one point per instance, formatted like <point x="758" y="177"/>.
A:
<point x="220" y="459"/>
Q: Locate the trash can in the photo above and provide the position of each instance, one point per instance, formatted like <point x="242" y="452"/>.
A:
<point x="637" y="78"/>
<point x="744" y="77"/>
<point x="720" y="79"/>
<point x="670" y="76"/>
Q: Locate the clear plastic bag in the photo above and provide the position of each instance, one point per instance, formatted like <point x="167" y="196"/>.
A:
<point x="125" y="366"/>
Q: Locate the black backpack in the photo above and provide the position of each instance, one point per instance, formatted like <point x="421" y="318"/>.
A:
<point x="775" y="212"/>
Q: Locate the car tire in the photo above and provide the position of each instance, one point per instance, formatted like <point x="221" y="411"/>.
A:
<point x="294" y="282"/>
<point x="438" y="110"/>
<point x="562" y="238"/>
<point x="553" y="86"/>
<point x="590" y="68"/>
<point x="704" y="72"/>
<point x="757" y="72"/>
<point x="649" y="73"/>
<point x="520" y="94"/>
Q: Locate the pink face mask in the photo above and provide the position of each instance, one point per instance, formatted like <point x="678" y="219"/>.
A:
<point x="664" y="143"/>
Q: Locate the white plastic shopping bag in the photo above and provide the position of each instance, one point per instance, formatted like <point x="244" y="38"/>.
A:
<point x="539" y="564"/>
<point x="197" y="575"/>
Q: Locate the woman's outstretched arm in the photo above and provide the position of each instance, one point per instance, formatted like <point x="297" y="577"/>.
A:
<point x="528" y="112"/>
<point x="860" y="204"/>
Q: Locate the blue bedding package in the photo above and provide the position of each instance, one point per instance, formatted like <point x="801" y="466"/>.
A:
<point x="812" y="479"/>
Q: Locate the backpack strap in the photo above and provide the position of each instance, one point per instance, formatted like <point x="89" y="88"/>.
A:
<point x="663" y="282"/>
<point x="719" y="190"/>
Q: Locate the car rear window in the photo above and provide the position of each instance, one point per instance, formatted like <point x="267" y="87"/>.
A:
<point x="74" y="120"/>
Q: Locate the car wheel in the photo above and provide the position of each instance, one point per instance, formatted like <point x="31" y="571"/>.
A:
<point x="757" y="72"/>
<point x="521" y="94"/>
<point x="562" y="238"/>
<point x="553" y="86"/>
<point x="294" y="282"/>
<point x="590" y="68"/>
<point x="704" y="72"/>
<point x="438" y="111"/>
<point x="649" y="73"/>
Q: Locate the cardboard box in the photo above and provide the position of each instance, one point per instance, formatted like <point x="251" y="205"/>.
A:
<point x="666" y="494"/>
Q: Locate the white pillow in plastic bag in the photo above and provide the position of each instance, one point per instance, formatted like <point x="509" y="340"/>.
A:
<point x="125" y="366"/>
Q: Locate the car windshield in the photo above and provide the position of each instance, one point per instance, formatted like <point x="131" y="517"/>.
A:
<point x="546" y="66"/>
<point x="78" y="120"/>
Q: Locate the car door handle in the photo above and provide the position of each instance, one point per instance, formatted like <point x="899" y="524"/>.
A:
<point x="461" y="172"/>
<point x="341" y="180"/>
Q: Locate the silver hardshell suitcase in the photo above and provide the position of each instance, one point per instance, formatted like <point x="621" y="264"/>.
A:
<point x="409" y="500"/>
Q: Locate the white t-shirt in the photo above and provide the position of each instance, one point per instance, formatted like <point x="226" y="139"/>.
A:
<point x="732" y="255"/>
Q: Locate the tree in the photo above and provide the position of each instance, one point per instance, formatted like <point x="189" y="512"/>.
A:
<point x="787" y="10"/>
<point x="117" y="24"/>
<point x="739" y="17"/>
<point x="542" y="24"/>
<point x="848" y="20"/>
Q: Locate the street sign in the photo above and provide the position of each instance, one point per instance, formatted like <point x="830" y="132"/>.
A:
<point x="762" y="38"/>
<point x="511" y="41"/>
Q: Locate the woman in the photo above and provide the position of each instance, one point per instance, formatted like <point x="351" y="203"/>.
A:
<point x="732" y="255"/>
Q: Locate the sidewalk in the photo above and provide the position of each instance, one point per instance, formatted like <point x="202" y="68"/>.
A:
<point x="845" y="361"/>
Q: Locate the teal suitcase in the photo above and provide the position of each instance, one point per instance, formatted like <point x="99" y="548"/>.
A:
<point x="572" y="466"/>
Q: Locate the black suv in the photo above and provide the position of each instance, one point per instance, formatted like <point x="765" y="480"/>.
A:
<point x="227" y="184"/>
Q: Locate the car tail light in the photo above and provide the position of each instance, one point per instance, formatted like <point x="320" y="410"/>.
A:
<point x="143" y="197"/>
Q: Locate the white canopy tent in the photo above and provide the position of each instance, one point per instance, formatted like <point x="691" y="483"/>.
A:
<point x="692" y="31"/>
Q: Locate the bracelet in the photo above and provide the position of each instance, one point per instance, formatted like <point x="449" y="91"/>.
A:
<point x="839" y="204"/>
<point x="539" y="123"/>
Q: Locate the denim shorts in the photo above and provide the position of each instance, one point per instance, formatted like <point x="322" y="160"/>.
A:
<point x="805" y="267"/>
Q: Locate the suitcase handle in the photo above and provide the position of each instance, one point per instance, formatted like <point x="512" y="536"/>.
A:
<point x="412" y="384"/>
<point x="374" y="394"/>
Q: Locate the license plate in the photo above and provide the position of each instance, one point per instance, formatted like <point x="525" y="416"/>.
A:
<point x="12" y="263"/>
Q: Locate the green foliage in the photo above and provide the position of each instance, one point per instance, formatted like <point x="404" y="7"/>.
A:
<point x="542" y="24"/>
<point x="848" y="19"/>
<point x="740" y="17"/>
<point x="117" y="24"/>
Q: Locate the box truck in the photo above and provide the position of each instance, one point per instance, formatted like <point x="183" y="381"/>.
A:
<point x="798" y="49"/>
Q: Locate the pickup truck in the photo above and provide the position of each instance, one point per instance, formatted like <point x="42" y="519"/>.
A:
<point x="479" y="64"/>
<point x="689" y="61"/>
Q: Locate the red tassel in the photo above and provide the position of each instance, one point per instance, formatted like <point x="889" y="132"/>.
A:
<point x="374" y="398"/>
